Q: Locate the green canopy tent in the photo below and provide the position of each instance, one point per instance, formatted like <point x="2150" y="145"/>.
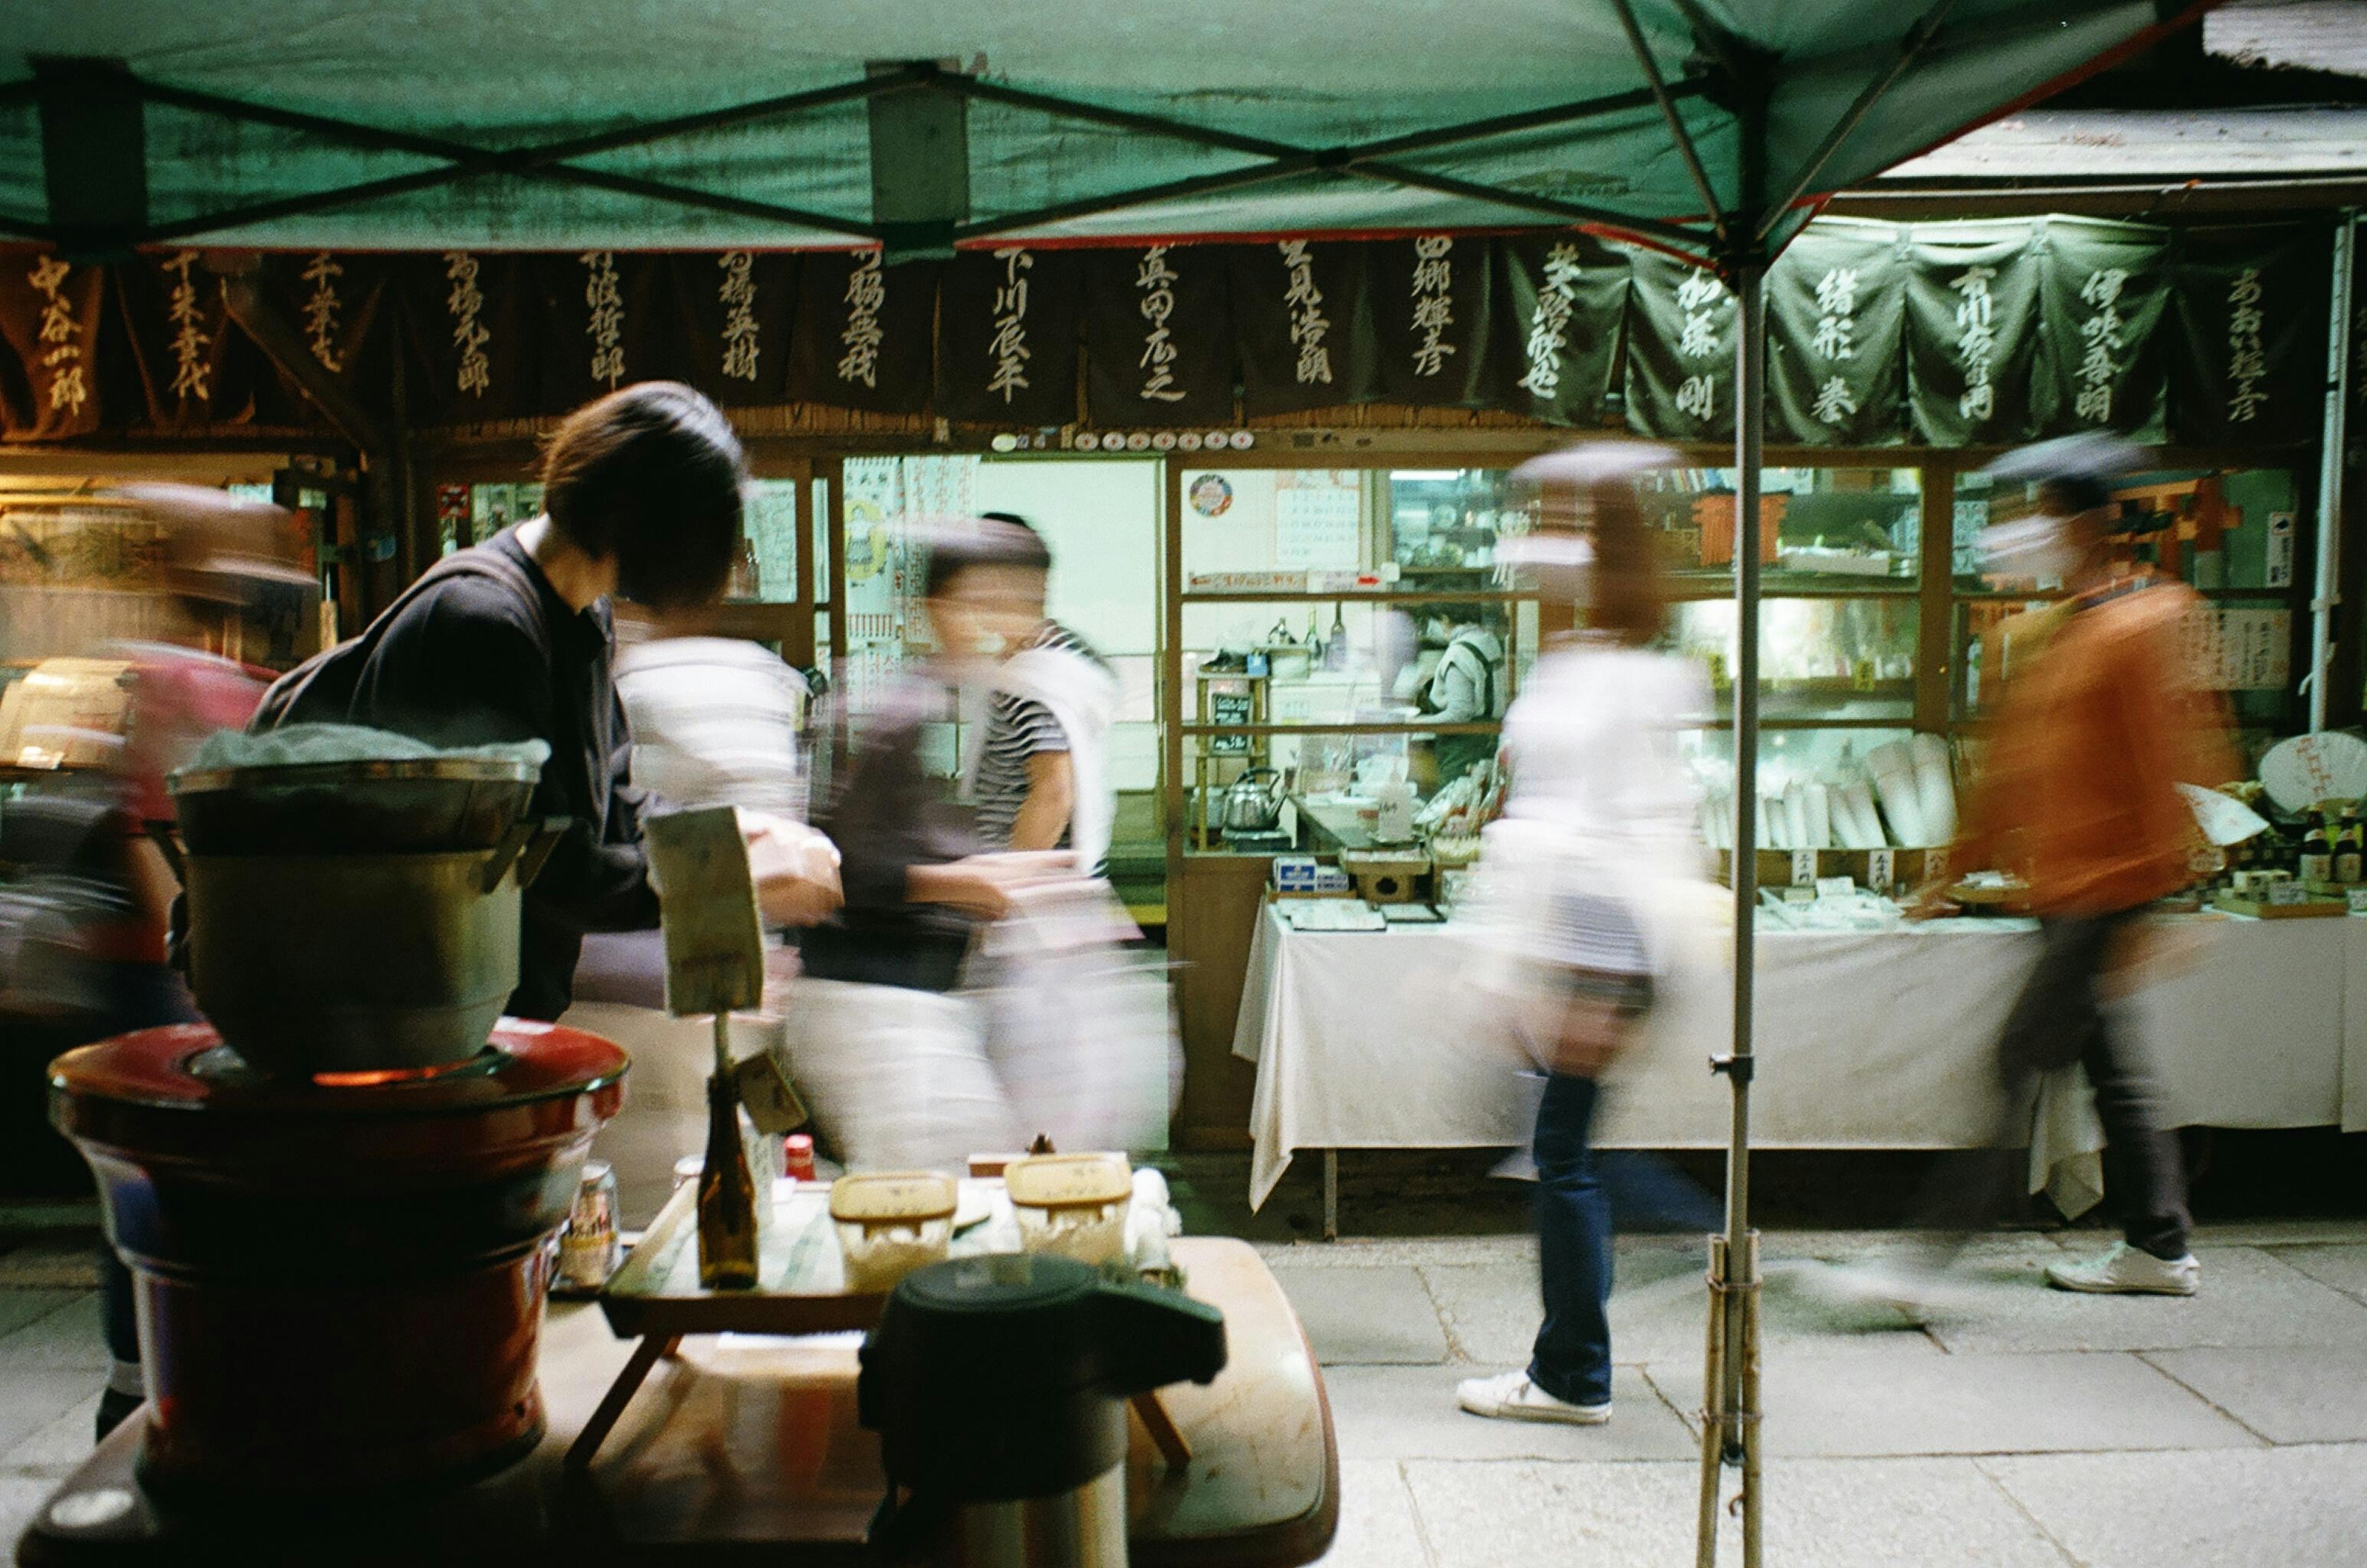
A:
<point x="1706" y="127"/>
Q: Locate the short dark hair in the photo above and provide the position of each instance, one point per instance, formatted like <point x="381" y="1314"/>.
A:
<point x="999" y="539"/>
<point x="1030" y="541"/>
<point x="652" y="475"/>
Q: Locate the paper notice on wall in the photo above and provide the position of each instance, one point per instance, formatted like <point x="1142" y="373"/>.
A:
<point x="2240" y="650"/>
<point x="2281" y="551"/>
<point x="1317" y="518"/>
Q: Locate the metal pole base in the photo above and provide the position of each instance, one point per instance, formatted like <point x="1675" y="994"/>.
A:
<point x="1729" y="1412"/>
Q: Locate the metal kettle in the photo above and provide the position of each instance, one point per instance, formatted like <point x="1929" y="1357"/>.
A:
<point x="1252" y="806"/>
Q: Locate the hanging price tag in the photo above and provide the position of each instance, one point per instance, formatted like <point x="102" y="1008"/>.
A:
<point x="1803" y="868"/>
<point x="1881" y="870"/>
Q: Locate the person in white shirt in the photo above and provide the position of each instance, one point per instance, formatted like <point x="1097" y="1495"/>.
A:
<point x="1599" y="828"/>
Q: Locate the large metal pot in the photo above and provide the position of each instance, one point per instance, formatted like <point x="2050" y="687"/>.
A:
<point x="312" y="963"/>
<point x="385" y="808"/>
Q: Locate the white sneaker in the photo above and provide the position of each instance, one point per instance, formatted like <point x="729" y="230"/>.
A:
<point x="2128" y="1270"/>
<point x="1511" y="1396"/>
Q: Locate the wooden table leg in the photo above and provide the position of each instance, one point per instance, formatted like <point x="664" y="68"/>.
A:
<point x="1330" y="1194"/>
<point x="1165" y="1436"/>
<point x="645" y="1358"/>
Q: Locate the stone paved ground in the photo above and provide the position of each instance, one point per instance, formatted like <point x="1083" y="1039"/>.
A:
<point x="2018" y="1427"/>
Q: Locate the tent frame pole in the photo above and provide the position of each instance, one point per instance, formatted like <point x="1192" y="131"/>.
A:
<point x="2326" y="593"/>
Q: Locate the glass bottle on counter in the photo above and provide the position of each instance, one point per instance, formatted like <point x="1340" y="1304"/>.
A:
<point x="2317" y="852"/>
<point x="727" y="1196"/>
<point x="2349" y="848"/>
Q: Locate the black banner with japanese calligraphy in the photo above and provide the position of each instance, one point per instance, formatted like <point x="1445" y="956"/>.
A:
<point x="1435" y="322"/>
<point x="1972" y="332"/>
<point x="2247" y="350"/>
<point x="1305" y="326"/>
<point x="1007" y="324"/>
<point x="49" y="317"/>
<point x="335" y="302"/>
<point x="1158" y="336"/>
<point x="2102" y="289"/>
<point x="1681" y="325"/>
<point x="1565" y="315"/>
<point x="726" y="320"/>
<point x="1836" y="338"/>
<point x="866" y="332"/>
<point x="1948" y="335"/>
<point x="466" y="334"/>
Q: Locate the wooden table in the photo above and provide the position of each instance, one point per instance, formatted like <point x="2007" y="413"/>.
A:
<point x="743" y="1447"/>
<point x="737" y="1441"/>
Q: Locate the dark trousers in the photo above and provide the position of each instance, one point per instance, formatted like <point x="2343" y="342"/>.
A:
<point x="1573" y="1356"/>
<point x="2060" y="1019"/>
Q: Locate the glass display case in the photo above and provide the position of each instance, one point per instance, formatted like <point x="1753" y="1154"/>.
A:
<point x="1346" y="649"/>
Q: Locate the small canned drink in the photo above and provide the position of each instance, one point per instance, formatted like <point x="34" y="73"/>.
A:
<point x="588" y="1252"/>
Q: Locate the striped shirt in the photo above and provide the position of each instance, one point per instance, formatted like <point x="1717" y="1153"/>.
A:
<point x="1018" y="728"/>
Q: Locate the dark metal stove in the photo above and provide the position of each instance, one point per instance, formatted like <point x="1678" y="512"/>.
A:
<point x="341" y="1279"/>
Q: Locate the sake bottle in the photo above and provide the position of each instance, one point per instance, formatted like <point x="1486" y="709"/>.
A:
<point x="2317" y="852"/>
<point x="726" y="1193"/>
<point x="2347" y="854"/>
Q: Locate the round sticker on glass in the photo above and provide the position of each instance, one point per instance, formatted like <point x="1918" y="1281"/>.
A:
<point x="1211" y="495"/>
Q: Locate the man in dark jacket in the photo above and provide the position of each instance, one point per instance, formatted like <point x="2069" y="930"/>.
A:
<point x="512" y="641"/>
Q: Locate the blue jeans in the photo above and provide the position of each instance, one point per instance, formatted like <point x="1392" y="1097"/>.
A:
<point x="1572" y="1357"/>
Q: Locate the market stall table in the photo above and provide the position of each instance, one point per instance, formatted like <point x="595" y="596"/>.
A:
<point x="1866" y="1040"/>
<point x="746" y="1444"/>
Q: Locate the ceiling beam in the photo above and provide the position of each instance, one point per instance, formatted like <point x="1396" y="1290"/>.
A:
<point x="94" y="152"/>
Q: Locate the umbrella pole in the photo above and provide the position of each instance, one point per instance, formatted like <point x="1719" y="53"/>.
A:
<point x="1731" y="1369"/>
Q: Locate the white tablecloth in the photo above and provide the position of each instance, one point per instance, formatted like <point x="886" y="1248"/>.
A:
<point x="1882" y="1040"/>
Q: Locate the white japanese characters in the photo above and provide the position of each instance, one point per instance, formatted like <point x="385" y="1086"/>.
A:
<point x="2101" y="333"/>
<point x="1008" y="347"/>
<point x="1977" y="342"/>
<point x="1156" y="281"/>
<point x="192" y="375"/>
<point x="474" y="374"/>
<point x="605" y="324"/>
<point x="1308" y="324"/>
<point x="61" y="354"/>
<point x="1833" y="342"/>
<point x="321" y="309"/>
<point x="2247" y="357"/>
<point x="1549" y="326"/>
<point x="1433" y="302"/>
<point x="866" y="296"/>
<point x="737" y="297"/>
<point x="1698" y="297"/>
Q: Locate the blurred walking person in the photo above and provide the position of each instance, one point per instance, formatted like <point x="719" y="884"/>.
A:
<point x="2079" y="796"/>
<point x="1038" y="768"/>
<point x="1583" y="876"/>
<point x="891" y="1059"/>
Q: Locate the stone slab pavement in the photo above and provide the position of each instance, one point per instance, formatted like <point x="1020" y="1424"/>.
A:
<point x="2010" y="1426"/>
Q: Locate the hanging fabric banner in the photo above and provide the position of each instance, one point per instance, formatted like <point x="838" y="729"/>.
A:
<point x="2248" y="354"/>
<point x="722" y="322"/>
<point x="194" y="366"/>
<point x="1159" y="337"/>
<point x="864" y="335"/>
<point x="2102" y="290"/>
<point x="1007" y="325"/>
<point x="467" y="333"/>
<point x="1306" y="324"/>
<point x="1679" y="351"/>
<point x="594" y="327"/>
<point x="1972" y="332"/>
<point x="50" y="319"/>
<point x="1565" y="310"/>
<point x="1433" y="322"/>
<point x="1836" y="320"/>
<point x="338" y="302"/>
